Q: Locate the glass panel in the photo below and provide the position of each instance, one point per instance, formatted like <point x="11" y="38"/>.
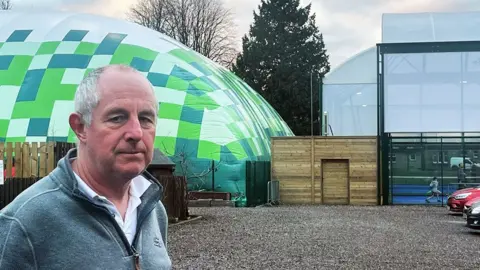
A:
<point x="351" y="109"/>
<point x="405" y="134"/>
<point x="432" y="92"/>
<point x="476" y="135"/>
<point x="455" y="167"/>
<point x="472" y="162"/>
<point x="471" y="91"/>
<point x="453" y="161"/>
<point x="434" y="162"/>
<point x="430" y="27"/>
<point x="413" y="171"/>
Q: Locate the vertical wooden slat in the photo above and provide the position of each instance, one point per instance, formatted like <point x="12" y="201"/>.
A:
<point x="26" y="160"/>
<point x="50" y="157"/>
<point x="18" y="160"/>
<point x="9" y="190"/>
<point x="17" y="187"/>
<point x="42" y="159"/>
<point x="34" y="160"/>
<point x="9" y="159"/>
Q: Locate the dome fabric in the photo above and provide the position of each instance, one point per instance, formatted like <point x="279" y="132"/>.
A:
<point x="205" y="111"/>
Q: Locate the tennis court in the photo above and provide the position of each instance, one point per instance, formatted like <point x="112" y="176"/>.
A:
<point x="413" y="189"/>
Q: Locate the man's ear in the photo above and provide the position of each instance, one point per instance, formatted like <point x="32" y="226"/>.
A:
<point x="77" y="125"/>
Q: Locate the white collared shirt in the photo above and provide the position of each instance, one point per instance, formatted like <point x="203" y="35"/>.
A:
<point x="138" y="186"/>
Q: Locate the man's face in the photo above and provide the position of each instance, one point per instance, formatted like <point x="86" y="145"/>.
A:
<point x="120" y="137"/>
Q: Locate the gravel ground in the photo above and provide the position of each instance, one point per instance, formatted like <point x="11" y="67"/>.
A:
<point x="324" y="237"/>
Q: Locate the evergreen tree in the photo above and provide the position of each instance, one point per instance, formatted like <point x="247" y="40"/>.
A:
<point x="283" y="48"/>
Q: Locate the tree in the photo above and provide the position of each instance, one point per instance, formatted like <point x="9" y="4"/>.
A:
<point x="282" y="50"/>
<point x="203" y="25"/>
<point x="5" y="4"/>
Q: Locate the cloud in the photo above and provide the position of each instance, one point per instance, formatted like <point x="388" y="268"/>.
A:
<point x="111" y="8"/>
<point x="348" y="26"/>
<point x="242" y="12"/>
<point x="351" y="26"/>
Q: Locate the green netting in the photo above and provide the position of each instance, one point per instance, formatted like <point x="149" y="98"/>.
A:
<point x="204" y="174"/>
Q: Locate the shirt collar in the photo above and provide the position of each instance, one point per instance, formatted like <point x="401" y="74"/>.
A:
<point x="138" y="186"/>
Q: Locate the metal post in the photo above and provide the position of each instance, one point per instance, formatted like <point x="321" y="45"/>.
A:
<point x="311" y="103"/>
<point x="213" y="178"/>
<point x="380" y="184"/>
<point x="390" y="167"/>
<point x="320" y="106"/>
<point x="441" y="170"/>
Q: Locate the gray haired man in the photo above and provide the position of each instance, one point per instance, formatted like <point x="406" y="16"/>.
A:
<point x="100" y="208"/>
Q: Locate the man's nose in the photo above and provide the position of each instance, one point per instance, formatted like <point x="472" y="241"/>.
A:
<point x="134" y="130"/>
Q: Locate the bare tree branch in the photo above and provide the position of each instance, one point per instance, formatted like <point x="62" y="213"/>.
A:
<point x="5" y="4"/>
<point x="205" y="26"/>
<point x="187" y="161"/>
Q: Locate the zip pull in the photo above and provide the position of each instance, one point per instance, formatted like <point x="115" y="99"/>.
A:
<point x="135" y="253"/>
<point x="137" y="258"/>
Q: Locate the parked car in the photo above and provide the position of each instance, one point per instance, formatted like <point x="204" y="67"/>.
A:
<point x="469" y="204"/>
<point x="473" y="216"/>
<point x="456" y="161"/>
<point x="456" y="201"/>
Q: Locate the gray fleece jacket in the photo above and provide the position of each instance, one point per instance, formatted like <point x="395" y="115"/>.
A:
<point x="51" y="225"/>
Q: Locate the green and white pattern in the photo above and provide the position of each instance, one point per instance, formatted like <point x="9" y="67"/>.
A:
<point x="205" y="110"/>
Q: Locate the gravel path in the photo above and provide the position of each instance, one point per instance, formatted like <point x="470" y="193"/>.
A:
<point x="324" y="237"/>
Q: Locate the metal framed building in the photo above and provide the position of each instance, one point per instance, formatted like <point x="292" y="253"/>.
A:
<point x="422" y="104"/>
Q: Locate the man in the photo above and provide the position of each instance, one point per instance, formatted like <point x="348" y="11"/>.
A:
<point x="461" y="176"/>
<point x="99" y="209"/>
<point x="434" y="190"/>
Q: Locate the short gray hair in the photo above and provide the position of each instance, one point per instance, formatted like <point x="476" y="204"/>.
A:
<point x="87" y="95"/>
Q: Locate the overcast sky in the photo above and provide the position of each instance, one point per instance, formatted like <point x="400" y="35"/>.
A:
<point x="349" y="26"/>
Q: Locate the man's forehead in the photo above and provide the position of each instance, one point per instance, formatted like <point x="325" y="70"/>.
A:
<point x="114" y="75"/>
<point x="125" y="110"/>
<point x="133" y="82"/>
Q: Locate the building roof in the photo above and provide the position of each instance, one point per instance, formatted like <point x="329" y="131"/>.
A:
<point x="402" y="28"/>
<point x="159" y="158"/>
<point x="358" y="69"/>
<point x="430" y="27"/>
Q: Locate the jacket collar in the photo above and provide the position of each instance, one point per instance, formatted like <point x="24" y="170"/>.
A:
<point x="65" y="175"/>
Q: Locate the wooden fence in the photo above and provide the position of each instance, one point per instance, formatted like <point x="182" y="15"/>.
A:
<point x="325" y="170"/>
<point x="174" y="194"/>
<point x="175" y="197"/>
<point x="31" y="159"/>
<point x="26" y="163"/>
<point x="14" y="186"/>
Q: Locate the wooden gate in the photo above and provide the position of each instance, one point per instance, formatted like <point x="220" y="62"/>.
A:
<point x="335" y="181"/>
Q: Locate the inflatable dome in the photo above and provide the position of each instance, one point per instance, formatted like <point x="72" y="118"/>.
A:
<point x="205" y="111"/>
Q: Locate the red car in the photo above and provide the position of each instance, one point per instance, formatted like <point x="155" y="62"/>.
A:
<point x="456" y="201"/>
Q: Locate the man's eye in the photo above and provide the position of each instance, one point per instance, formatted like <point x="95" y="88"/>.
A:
<point x="116" y="119"/>
<point x="147" y="122"/>
<point x="146" y="119"/>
